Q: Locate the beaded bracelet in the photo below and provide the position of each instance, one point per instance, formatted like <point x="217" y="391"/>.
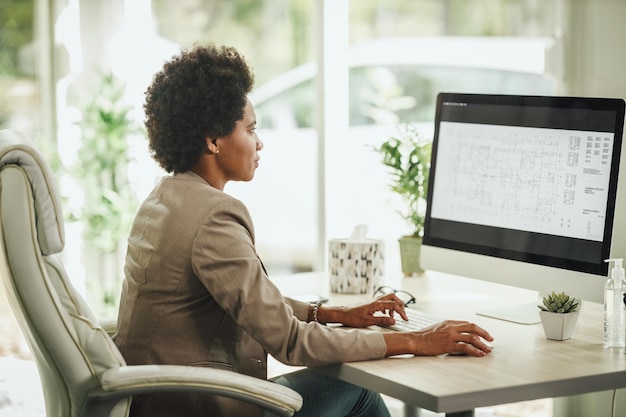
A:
<point x="316" y="307"/>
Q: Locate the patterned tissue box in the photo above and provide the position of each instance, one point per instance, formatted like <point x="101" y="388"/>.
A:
<point x="355" y="267"/>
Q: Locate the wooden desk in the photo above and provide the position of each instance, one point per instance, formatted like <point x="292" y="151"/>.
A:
<point x="523" y="366"/>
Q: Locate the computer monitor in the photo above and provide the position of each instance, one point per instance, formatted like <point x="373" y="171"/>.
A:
<point x="524" y="191"/>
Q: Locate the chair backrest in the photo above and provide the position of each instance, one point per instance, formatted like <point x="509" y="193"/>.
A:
<point x="70" y="347"/>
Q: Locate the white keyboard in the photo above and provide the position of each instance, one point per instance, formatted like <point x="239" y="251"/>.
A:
<point x="417" y="321"/>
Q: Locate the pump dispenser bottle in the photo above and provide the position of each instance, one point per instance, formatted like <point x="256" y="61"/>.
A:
<point x="614" y="306"/>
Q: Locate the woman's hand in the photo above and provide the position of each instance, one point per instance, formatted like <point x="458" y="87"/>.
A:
<point x="454" y="337"/>
<point x="367" y="314"/>
<point x="450" y="336"/>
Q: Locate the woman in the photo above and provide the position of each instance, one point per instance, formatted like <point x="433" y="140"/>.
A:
<point x="195" y="291"/>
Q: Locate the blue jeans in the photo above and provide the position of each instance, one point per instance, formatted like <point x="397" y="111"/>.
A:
<point x="330" y="397"/>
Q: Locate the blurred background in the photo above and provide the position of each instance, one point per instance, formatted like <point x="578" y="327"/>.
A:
<point x="334" y="78"/>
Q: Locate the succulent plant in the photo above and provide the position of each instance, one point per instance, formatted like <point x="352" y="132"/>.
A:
<point x="559" y="303"/>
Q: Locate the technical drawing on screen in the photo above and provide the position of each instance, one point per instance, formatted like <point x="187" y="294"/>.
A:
<point x="524" y="191"/>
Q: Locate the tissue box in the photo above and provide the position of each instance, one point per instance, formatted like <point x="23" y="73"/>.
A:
<point x="355" y="267"/>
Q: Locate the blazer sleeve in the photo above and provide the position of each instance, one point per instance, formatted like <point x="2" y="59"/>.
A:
<point x="225" y="260"/>
<point x="300" y="308"/>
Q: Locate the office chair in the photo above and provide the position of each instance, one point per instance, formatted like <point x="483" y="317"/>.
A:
<point x="82" y="371"/>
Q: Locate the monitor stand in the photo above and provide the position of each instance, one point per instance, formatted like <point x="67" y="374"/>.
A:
<point x="521" y="314"/>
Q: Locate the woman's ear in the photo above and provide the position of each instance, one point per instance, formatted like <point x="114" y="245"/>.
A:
<point x="211" y="144"/>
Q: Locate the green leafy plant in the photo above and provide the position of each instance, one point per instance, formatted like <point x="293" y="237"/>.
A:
<point x="102" y="168"/>
<point x="559" y="303"/>
<point x="408" y="157"/>
<point x="102" y="172"/>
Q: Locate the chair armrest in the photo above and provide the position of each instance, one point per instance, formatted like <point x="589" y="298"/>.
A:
<point x="143" y="379"/>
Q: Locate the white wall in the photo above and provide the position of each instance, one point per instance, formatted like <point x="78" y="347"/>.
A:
<point x="595" y="62"/>
<point x="595" y="65"/>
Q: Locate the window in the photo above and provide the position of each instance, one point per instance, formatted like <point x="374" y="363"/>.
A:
<point x="19" y="84"/>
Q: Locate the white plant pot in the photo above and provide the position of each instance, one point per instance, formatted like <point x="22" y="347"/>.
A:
<point x="558" y="326"/>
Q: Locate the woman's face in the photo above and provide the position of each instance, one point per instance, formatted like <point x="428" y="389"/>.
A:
<point x="238" y="156"/>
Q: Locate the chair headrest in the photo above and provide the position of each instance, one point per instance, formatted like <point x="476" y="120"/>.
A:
<point x="17" y="149"/>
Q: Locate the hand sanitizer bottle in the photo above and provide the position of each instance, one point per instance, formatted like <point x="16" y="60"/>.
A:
<point x="614" y="308"/>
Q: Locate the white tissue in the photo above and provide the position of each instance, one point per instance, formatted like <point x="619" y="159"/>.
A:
<point x="359" y="232"/>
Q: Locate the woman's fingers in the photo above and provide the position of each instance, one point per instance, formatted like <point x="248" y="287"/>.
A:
<point x="390" y="304"/>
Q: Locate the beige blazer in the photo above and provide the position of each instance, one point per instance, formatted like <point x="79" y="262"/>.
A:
<point x="196" y="293"/>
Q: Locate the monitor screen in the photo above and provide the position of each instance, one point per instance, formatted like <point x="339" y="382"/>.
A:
<point x="528" y="179"/>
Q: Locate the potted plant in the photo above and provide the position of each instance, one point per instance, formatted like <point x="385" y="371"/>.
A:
<point x="559" y="314"/>
<point x="408" y="158"/>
